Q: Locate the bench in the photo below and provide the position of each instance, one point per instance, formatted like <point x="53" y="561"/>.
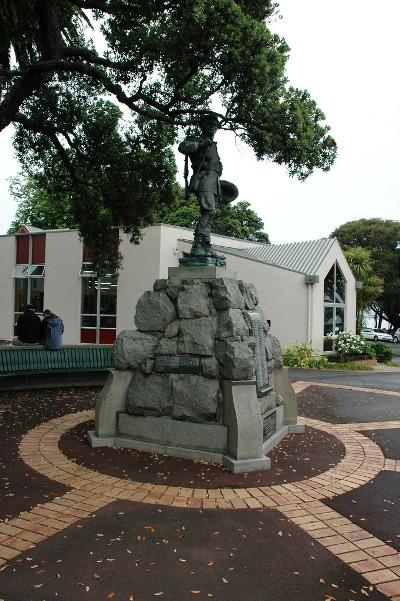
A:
<point x="37" y="367"/>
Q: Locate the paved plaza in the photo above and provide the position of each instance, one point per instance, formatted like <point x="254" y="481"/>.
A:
<point x="323" y="524"/>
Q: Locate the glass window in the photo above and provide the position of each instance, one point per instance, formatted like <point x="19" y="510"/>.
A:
<point x="340" y="286"/>
<point x="108" y="296"/>
<point x="87" y="270"/>
<point x="99" y="308"/>
<point x="108" y="321"/>
<point x="334" y="297"/>
<point x="89" y="321"/>
<point x="20" y="271"/>
<point x="339" y="320"/>
<point x="328" y="320"/>
<point x="89" y="296"/>
<point x="37" y="294"/>
<point x="36" y="271"/>
<point x="329" y="286"/>
<point x="21" y="294"/>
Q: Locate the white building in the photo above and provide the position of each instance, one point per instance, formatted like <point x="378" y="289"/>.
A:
<point x="306" y="289"/>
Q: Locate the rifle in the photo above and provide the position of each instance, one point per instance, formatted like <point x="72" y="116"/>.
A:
<point x="186" y="172"/>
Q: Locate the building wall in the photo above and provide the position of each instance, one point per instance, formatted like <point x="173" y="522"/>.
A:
<point x="7" y="264"/>
<point x="141" y="266"/>
<point x="62" y="282"/>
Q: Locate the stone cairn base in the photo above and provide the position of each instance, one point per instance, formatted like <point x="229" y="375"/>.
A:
<point x="186" y="382"/>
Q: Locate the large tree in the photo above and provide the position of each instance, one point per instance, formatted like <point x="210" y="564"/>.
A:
<point x="381" y="237"/>
<point x="164" y="62"/>
<point x="238" y="220"/>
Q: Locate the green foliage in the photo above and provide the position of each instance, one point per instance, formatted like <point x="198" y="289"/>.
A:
<point x="382" y="352"/>
<point x="369" y="351"/>
<point x="303" y="355"/>
<point x="163" y="63"/>
<point x="237" y="221"/>
<point x="380" y="237"/>
<point x="360" y="262"/>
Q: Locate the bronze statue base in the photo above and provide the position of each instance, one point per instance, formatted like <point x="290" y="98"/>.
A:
<point x="189" y="260"/>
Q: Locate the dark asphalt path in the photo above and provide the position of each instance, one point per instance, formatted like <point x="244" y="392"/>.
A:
<point x="365" y="379"/>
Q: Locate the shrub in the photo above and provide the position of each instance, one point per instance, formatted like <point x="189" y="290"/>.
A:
<point x="369" y="351"/>
<point x="347" y="344"/>
<point x="382" y="352"/>
<point x="302" y="355"/>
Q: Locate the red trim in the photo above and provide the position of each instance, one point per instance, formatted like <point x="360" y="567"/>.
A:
<point x="107" y="336"/>
<point x="22" y="250"/>
<point x="88" y="336"/>
<point x="39" y="249"/>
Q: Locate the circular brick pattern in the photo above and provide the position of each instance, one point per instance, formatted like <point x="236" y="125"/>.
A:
<point x="297" y="457"/>
<point x="362" y="462"/>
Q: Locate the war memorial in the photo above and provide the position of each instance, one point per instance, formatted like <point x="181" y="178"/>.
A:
<point x="201" y="377"/>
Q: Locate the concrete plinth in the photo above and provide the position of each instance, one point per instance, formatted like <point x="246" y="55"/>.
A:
<point x="243" y="466"/>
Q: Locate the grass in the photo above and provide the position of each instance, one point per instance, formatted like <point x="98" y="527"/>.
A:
<point x="392" y="363"/>
<point x="352" y="366"/>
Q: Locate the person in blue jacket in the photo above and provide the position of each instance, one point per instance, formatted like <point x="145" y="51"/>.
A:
<point x="52" y="330"/>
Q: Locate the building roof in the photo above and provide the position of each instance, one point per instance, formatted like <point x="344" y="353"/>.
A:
<point x="301" y="257"/>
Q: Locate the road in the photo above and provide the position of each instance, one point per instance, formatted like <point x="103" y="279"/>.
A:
<point x="364" y="379"/>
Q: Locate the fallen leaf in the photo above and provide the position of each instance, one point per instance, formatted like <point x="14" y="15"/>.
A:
<point x="158" y="594"/>
<point x="38" y="585"/>
<point x="195" y="592"/>
<point x="225" y="580"/>
<point x="280" y="533"/>
<point x="110" y="595"/>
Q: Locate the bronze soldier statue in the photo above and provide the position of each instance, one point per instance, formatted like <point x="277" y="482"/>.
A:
<point x="205" y="182"/>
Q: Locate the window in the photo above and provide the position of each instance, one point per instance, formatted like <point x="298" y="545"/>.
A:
<point x="99" y="307"/>
<point x="29" y="272"/>
<point x="334" y="302"/>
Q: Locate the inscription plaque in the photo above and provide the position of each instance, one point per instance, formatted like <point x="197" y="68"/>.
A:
<point x="262" y="378"/>
<point x="177" y="364"/>
<point x="269" y="426"/>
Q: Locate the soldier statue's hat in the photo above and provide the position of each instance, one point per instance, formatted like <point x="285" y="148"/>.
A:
<point x="229" y="192"/>
<point x="209" y="118"/>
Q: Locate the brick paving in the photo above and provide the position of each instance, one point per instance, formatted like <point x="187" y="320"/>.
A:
<point x="301" y="503"/>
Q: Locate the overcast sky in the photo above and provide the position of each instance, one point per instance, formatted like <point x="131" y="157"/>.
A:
<point x="346" y="53"/>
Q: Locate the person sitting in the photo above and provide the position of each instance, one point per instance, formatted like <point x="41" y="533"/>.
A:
<point x="52" y="330"/>
<point x="28" y="328"/>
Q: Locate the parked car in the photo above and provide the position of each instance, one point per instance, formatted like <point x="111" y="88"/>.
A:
<point x="396" y="335"/>
<point x="376" y="334"/>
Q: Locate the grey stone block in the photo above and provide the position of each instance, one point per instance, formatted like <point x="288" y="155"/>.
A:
<point x="244" y="466"/>
<point x="160" y="285"/>
<point x="132" y="347"/>
<point x="236" y="360"/>
<point x="147" y="366"/>
<point x="231" y="323"/>
<point x="283" y="387"/>
<point x="173" y="287"/>
<point x="210" y="367"/>
<point x="212" y="438"/>
<point x="276" y="350"/>
<point x="196" y="399"/>
<point x="167" y="346"/>
<point x="111" y="400"/>
<point x="154" y="311"/>
<point x="172" y="329"/>
<point x="250" y="295"/>
<point x="193" y="302"/>
<point x="150" y="395"/>
<point x="196" y="336"/>
<point x="243" y="418"/>
<point x="226" y="294"/>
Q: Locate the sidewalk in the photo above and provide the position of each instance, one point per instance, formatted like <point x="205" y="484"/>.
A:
<point x="81" y="523"/>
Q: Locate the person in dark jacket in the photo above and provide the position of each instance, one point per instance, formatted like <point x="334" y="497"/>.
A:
<point x="52" y="330"/>
<point x="28" y="328"/>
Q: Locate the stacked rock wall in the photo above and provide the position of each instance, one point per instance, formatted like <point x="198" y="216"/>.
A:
<point x="206" y="320"/>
